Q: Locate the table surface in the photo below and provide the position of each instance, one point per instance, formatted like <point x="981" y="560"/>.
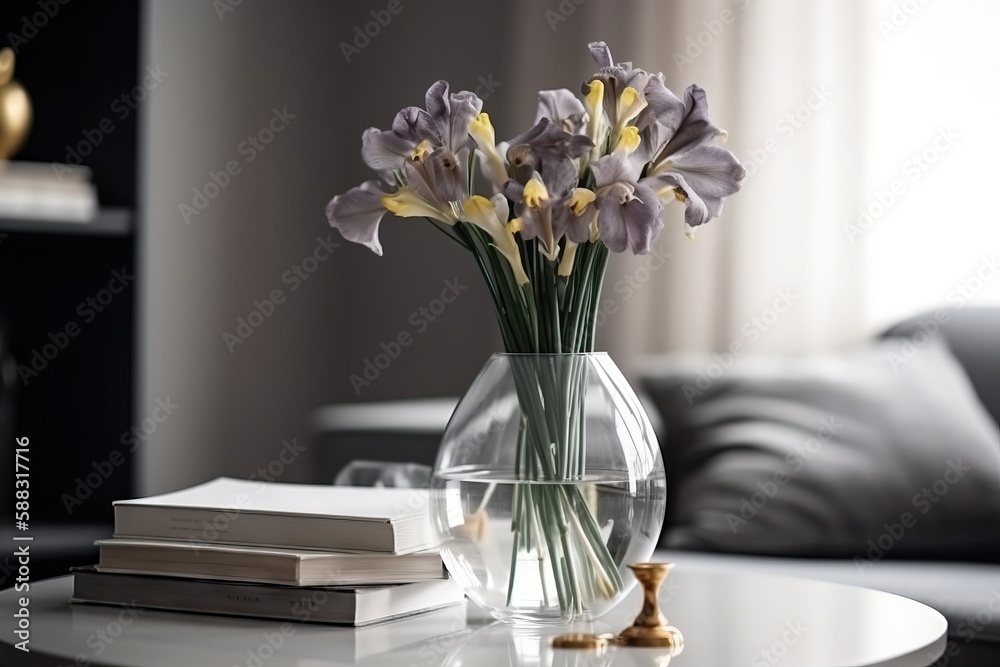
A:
<point x="726" y="619"/>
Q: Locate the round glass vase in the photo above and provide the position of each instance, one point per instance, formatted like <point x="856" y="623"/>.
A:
<point x="548" y="483"/>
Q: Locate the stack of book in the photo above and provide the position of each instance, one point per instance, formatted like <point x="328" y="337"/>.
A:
<point x="30" y="190"/>
<point x="301" y="552"/>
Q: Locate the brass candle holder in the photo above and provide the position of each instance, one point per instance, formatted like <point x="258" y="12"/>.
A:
<point x="650" y="628"/>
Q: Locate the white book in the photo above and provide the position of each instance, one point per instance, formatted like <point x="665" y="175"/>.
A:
<point x="300" y="516"/>
<point x="31" y="190"/>
<point x="53" y="174"/>
<point x="267" y="565"/>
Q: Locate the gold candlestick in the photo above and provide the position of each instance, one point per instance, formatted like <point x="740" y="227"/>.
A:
<point x="650" y="629"/>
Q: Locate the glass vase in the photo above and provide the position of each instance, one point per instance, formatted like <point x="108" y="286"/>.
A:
<point x="548" y="483"/>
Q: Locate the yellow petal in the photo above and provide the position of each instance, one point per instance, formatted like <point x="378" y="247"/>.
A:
<point x="405" y="203"/>
<point x="568" y="259"/>
<point x="478" y="206"/>
<point x="628" y="97"/>
<point x="629" y="105"/>
<point x="581" y="199"/>
<point x="481" y="129"/>
<point x="594" y="103"/>
<point x="480" y="212"/>
<point x="421" y="150"/>
<point x="629" y="139"/>
<point x="595" y="95"/>
<point x="535" y="193"/>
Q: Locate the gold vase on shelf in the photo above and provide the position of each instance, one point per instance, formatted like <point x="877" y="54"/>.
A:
<point x="15" y="107"/>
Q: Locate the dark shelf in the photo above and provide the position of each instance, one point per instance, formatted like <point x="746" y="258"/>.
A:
<point x="109" y="222"/>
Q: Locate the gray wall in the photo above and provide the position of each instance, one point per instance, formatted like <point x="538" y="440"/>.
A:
<point x="225" y="77"/>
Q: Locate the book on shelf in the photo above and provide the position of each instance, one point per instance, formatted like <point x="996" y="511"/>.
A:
<point x="277" y="514"/>
<point x="350" y="605"/>
<point x="270" y="565"/>
<point x="31" y="190"/>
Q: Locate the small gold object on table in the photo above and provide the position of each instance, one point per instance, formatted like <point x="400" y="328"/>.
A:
<point x="650" y="629"/>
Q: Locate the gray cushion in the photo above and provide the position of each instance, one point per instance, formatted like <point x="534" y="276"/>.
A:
<point x="972" y="335"/>
<point x="873" y="454"/>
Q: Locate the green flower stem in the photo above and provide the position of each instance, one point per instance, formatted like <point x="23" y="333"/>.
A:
<point x="551" y="314"/>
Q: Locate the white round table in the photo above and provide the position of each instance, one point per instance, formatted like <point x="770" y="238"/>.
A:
<point x="727" y="620"/>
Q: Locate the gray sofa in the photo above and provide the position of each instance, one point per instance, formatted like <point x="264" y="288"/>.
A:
<point x="950" y="560"/>
<point x="926" y="394"/>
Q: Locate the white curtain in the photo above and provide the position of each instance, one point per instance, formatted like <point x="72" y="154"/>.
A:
<point x="925" y="220"/>
<point x="788" y="80"/>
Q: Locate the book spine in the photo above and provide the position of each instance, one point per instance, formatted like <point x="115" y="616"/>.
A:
<point x="307" y="605"/>
<point x="235" y="527"/>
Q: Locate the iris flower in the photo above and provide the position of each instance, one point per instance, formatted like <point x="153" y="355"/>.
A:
<point x="621" y="87"/>
<point x="632" y="144"/>
<point x="422" y="162"/>
<point x="629" y="209"/>
<point x="445" y="122"/>
<point x="548" y="149"/>
<point x="679" y="147"/>
<point x="548" y="202"/>
<point x="685" y="156"/>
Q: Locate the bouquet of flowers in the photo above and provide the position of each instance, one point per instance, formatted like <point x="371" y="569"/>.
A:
<point x="588" y="178"/>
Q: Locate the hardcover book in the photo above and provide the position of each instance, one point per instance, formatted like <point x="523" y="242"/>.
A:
<point x="350" y="605"/>
<point x="269" y="565"/>
<point x="301" y="516"/>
